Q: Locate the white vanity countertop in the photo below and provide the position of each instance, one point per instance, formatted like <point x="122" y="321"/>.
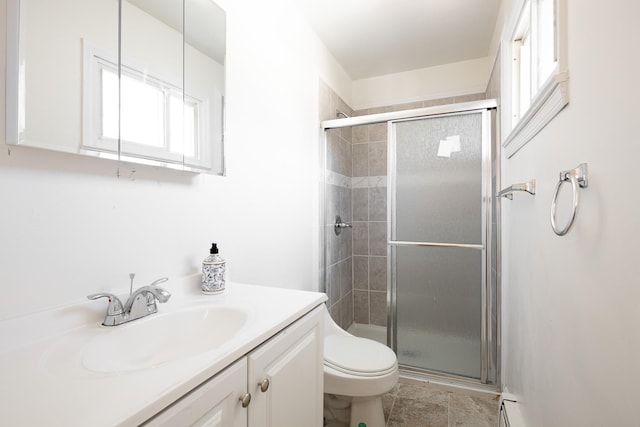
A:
<point x="44" y="381"/>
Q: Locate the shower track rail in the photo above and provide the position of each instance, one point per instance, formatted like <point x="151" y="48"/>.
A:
<point x="438" y="245"/>
<point x="407" y="114"/>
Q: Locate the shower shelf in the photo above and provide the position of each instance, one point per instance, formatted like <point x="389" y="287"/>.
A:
<point x="529" y="187"/>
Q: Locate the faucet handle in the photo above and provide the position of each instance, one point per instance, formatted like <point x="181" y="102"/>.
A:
<point x="160" y="280"/>
<point x="115" y="305"/>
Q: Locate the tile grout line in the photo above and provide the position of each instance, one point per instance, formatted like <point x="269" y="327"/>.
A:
<point x="449" y="409"/>
<point x="393" y="404"/>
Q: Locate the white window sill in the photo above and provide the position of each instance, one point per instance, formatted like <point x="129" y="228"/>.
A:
<point x="551" y="98"/>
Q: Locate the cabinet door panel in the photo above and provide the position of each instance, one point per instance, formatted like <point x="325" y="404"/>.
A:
<point x="292" y="361"/>
<point x="213" y="404"/>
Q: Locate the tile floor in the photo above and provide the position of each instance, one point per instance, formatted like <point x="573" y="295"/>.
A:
<point x="409" y="405"/>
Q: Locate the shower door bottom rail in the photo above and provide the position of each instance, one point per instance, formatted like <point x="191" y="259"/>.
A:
<point x="436" y="244"/>
<point x="448" y="380"/>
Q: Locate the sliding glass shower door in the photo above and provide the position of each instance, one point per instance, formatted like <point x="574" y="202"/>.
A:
<point x="439" y="180"/>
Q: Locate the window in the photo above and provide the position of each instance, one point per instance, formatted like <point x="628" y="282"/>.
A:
<point x="538" y="71"/>
<point x="139" y="115"/>
<point x="534" y="53"/>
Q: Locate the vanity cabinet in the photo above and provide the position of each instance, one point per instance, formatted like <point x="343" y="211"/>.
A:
<point x="289" y="368"/>
<point x="213" y="404"/>
<point x="283" y="376"/>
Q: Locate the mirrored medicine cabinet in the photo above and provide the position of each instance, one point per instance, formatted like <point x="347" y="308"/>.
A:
<point x="133" y="80"/>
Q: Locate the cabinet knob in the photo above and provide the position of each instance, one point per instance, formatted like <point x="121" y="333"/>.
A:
<point x="264" y="384"/>
<point x="245" y="399"/>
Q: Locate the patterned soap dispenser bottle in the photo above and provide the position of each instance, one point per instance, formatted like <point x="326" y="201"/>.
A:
<point x="213" y="272"/>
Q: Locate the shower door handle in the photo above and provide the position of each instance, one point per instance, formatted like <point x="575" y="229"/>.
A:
<point x="436" y="244"/>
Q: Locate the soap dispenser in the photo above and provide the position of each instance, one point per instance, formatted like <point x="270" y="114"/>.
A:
<point x="213" y="272"/>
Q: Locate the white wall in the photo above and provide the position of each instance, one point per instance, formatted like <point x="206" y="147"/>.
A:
<point x="71" y="226"/>
<point x="455" y="79"/>
<point x="571" y="305"/>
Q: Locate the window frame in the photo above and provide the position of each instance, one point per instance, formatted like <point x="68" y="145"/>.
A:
<point x="552" y="94"/>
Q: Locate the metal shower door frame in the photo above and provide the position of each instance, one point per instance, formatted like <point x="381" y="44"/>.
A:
<point x="491" y="342"/>
<point x="486" y="337"/>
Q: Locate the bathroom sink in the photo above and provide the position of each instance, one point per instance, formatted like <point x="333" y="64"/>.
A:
<point x="162" y="338"/>
<point x="156" y="340"/>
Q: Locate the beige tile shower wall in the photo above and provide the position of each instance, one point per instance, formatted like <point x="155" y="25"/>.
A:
<point x="369" y="198"/>
<point x="338" y="195"/>
<point x="370" y="222"/>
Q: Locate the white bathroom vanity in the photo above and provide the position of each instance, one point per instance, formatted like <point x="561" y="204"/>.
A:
<point x="251" y="356"/>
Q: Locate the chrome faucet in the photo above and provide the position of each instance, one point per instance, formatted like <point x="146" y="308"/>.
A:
<point x="141" y="303"/>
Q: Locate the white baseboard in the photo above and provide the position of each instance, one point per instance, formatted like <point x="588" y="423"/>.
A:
<point x="510" y="414"/>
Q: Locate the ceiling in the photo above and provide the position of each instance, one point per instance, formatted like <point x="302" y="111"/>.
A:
<point x="377" y="37"/>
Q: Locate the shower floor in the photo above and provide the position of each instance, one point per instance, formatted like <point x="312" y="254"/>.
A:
<point x="434" y="352"/>
<point x="373" y="332"/>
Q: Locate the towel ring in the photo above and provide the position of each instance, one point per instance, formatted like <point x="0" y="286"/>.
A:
<point x="578" y="179"/>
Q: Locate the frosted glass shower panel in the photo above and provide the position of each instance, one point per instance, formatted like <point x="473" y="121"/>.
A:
<point x="439" y="309"/>
<point x="439" y="179"/>
<point x="437" y="205"/>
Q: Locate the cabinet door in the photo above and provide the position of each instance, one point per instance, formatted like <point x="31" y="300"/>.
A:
<point x="213" y="404"/>
<point x="292" y="362"/>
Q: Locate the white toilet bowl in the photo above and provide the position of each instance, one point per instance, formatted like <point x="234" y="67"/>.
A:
<point x="358" y="370"/>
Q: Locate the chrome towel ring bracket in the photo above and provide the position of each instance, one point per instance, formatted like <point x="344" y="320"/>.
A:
<point x="578" y="178"/>
<point x="529" y="187"/>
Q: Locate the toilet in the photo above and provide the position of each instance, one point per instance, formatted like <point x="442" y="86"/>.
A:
<point x="357" y="373"/>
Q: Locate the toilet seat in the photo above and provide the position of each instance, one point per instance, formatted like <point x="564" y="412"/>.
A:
<point x="358" y="356"/>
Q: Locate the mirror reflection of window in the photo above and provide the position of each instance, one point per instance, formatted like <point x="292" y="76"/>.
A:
<point x="110" y="101"/>
<point x="153" y="114"/>
<point x="142" y="119"/>
<point x="184" y="138"/>
<point x="173" y="78"/>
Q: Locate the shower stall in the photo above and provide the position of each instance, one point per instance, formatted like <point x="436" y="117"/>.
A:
<point x="426" y="237"/>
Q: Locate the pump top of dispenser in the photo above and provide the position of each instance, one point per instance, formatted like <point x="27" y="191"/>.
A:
<point x="214" y="248"/>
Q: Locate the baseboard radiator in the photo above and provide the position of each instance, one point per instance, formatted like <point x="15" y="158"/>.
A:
<point x="510" y="415"/>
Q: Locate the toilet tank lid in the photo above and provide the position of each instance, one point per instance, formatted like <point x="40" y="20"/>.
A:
<point x="358" y="354"/>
